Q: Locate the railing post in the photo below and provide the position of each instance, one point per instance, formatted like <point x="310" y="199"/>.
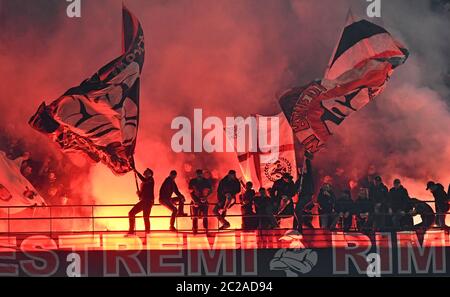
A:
<point x="176" y="217"/>
<point x="92" y="219"/>
<point x="51" y="226"/>
<point x="9" y="226"/>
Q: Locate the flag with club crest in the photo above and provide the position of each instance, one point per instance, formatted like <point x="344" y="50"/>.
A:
<point x="268" y="160"/>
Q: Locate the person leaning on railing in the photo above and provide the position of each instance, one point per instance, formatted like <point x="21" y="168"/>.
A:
<point x="425" y="212"/>
<point x="441" y="202"/>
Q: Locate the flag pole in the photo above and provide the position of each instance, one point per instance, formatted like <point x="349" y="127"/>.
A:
<point x="134" y="171"/>
<point x="347" y="19"/>
<point x="299" y="190"/>
<point x="136" y="181"/>
<point x="302" y="171"/>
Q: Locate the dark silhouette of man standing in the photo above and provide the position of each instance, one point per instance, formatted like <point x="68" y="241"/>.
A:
<point x="200" y="188"/>
<point x="229" y="186"/>
<point x="146" y="200"/>
<point x="440" y="200"/>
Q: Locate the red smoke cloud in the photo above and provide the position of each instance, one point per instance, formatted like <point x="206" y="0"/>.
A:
<point x="230" y="58"/>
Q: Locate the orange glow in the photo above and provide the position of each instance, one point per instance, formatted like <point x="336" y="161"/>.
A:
<point x="273" y="239"/>
<point x="111" y="189"/>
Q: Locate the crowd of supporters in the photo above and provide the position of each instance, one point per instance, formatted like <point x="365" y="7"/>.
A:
<point x="375" y="207"/>
<point x="366" y="205"/>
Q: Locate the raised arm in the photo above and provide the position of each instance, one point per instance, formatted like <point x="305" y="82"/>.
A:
<point x="141" y="177"/>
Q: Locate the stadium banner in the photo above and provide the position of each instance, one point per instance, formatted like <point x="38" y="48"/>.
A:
<point x="292" y="255"/>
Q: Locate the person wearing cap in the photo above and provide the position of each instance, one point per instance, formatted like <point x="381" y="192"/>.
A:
<point x="400" y="205"/>
<point x="379" y="196"/>
<point x="146" y="200"/>
<point x="227" y="190"/>
<point x="440" y="202"/>
<point x="200" y="188"/>
<point x="168" y="188"/>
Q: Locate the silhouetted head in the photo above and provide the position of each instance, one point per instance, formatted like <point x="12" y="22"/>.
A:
<point x="148" y="173"/>
<point x="378" y="180"/>
<point x="397" y="183"/>
<point x="431" y="185"/>
<point x="173" y="174"/>
<point x="262" y="191"/>
<point x="249" y="185"/>
<point x="199" y="173"/>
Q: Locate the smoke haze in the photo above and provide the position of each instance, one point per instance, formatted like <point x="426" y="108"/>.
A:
<point x="233" y="58"/>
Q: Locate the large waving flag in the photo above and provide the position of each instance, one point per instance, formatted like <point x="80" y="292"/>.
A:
<point x="15" y="189"/>
<point x="361" y="64"/>
<point x="100" y="117"/>
<point x="271" y="160"/>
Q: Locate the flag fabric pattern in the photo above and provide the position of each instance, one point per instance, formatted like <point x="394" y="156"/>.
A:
<point x="360" y="66"/>
<point x="100" y="117"/>
<point x="270" y="161"/>
<point x="15" y="189"/>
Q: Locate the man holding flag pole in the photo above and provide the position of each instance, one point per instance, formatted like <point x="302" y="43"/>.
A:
<point x="100" y="117"/>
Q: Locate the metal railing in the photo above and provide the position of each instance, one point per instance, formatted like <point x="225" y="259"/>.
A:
<point x="88" y="212"/>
